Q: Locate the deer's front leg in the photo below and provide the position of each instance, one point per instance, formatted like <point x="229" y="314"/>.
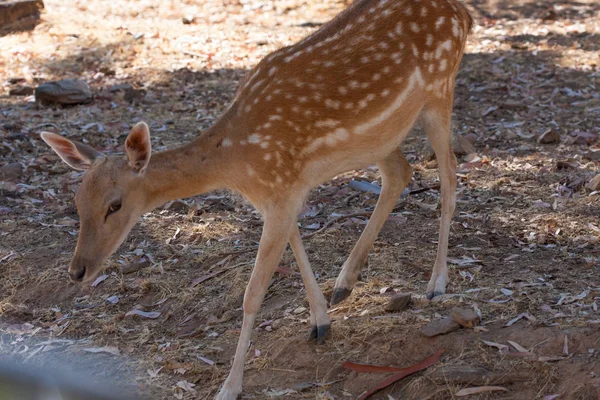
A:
<point x="276" y="231"/>
<point x="318" y="305"/>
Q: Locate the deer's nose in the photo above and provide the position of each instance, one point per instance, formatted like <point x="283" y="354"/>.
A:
<point x="78" y="274"/>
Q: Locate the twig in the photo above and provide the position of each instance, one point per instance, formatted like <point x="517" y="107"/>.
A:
<point x="337" y="219"/>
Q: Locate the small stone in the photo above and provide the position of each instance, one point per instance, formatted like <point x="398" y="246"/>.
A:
<point x="11" y="172"/>
<point x="268" y="328"/>
<point x="548" y="137"/>
<point x="67" y="91"/>
<point x="398" y="302"/>
<point x="594" y="183"/>
<point x="122" y="86"/>
<point x="592" y="155"/>
<point x="463" y="146"/>
<point x="440" y="327"/>
<point x="466" y="317"/>
<point x="278" y="323"/>
<point x="132" y="95"/>
<point x="299" y="310"/>
<point x="21" y="91"/>
<point x="188" y="19"/>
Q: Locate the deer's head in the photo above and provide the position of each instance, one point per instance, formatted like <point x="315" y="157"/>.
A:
<point x="111" y="197"/>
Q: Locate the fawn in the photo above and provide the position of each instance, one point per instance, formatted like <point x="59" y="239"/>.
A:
<point x="340" y="99"/>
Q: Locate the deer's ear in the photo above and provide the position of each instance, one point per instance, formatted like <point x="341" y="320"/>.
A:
<point x="77" y="155"/>
<point x="138" y="147"/>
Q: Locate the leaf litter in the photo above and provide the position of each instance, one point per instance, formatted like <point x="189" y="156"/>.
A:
<point x="530" y="72"/>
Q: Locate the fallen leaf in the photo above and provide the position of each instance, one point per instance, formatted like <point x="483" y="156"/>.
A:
<point x="99" y="280"/>
<point x="187" y="386"/>
<point x="501" y="347"/>
<point x="518" y="347"/>
<point x="480" y="389"/>
<point x="401" y="372"/>
<point x="146" y="314"/>
<point x="153" y="373"/>
<point x="106" y="349"/>
<point x="518" y="317"/>
<point x="206" y="360"/>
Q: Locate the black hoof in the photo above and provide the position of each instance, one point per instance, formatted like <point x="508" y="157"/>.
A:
<point x="340" y="295"/>
<point x="319" y="333"/>
<point x="431" y="295"/>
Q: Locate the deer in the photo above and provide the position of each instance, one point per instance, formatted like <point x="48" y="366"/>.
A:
<point x="343" y="98"/>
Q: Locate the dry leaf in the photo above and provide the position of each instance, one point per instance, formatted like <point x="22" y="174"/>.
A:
<point x="106" y="349"/>
<point x="145" y="314"/>
<point x="480" y="389"/>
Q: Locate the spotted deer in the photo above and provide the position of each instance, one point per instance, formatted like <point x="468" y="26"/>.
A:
<point x="341" y="99"/>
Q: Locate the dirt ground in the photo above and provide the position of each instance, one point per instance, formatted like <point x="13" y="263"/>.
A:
<point x="525" y="239"/>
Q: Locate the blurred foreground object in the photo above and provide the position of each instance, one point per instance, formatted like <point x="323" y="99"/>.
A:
<point x="23" y="382"/>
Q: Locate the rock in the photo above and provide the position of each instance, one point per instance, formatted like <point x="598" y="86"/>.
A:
<point x="548" y="137"/>
<point x="188" y="19"/>
<point x="299" y="310"/>
<point x="67" y="91"/>
<point x="594" y="183"/>
<point x="11" y="172"/>
<point x="440" y="327"/>
<point x="278" y="323"/>
<point x="463" y="146"/>
<point x="122" y="86"/>
<point x="398" y="302"/>
<point x="466" y="317"/>
<point x="132" y="95"/>
<point x="565" y="164"/>
<point x="18" y="15"/>
<point x="592" y="155"/>
<point x="21" y="91"/>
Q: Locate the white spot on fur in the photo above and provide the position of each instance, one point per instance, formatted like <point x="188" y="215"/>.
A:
<point x="447" y="45"/>
<point x="267" y="157"/>
<point x="415" y="51"/>
<point x="385" y="92"/>
<point x="226" y="142"/>
<point x="254" y="138"/>
<point x="443" y="65"/>
<point x="455" y="31"/>
<point x="414" y="27"/>
<point x="327" y="123"/>
<point x="332" y="104"/>
<point x="429" y="39"/>
<point x="338" y="135"/>
<point x="398" y="29"/>
<point x="439" y="22"/>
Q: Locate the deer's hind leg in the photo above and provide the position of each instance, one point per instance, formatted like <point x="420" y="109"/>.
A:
<point x="319" y="318"/>
<point x="436" y="122"/>
<point x="395" y="175"/>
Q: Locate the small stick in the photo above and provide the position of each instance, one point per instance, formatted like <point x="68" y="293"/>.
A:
<point x="333" y="221"/>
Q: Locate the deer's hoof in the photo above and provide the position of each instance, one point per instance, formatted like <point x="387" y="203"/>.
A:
<point x="339" y="295"/>
<point x="318" y="333"/>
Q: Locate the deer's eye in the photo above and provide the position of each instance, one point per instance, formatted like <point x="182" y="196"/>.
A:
<point x="113" y="208"/>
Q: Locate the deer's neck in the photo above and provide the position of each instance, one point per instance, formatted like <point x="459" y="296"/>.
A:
<point x="195" y="168"/>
